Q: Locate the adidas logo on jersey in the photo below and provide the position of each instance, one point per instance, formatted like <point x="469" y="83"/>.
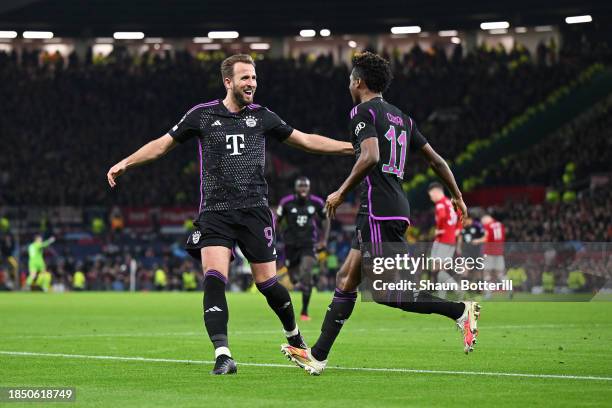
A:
<point x="216" y="123"/>
<point x="213" y="309"/>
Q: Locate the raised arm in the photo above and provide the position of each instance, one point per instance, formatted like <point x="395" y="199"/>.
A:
<point x="368" y="158"/>
<point x="149" y="152"/>
<point x="440" y="167"/>
<point x="318" y="144"/>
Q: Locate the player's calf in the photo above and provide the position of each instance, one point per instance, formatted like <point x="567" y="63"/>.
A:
<point x="279" y="300"/>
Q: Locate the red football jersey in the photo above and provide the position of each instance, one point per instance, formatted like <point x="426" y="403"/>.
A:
<point x="446" y="222"/>
<point x="496" y="236"/>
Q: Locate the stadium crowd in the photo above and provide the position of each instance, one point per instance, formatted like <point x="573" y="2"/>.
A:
<point x="82" y="116"/>
<point x="584" y="147"/>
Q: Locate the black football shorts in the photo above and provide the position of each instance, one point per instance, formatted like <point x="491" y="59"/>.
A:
<point x="294" y="254"/>
<point x="252" y="229"/>
<point x="374" y="233"/>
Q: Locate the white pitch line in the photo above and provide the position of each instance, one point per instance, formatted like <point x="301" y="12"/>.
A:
<point x="394" y="370"/>
<point x="308" y="330"/>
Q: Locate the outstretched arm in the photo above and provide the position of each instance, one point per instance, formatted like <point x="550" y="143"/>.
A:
<point x="368" y="158"/>
<point x="318" y="144"/>
<point x="48" y="242"/>
<point x="440" y="167"/>
<point x="149" y="152"/>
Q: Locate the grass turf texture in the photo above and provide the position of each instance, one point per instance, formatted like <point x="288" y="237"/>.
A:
<point x="533" y="338"/>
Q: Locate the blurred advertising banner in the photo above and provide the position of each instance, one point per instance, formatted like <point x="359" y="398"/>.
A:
<point x="499" y="195"/>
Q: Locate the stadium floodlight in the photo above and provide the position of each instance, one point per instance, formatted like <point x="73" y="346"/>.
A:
<point x="406" y="30"/>
<point x="128" y="35"/>
<point x="352" y="44"/>
<point x="494" y="25"/>
<point x="456" y="40"/>
<point x="201" y="40"/>
<point x="325" y="32"/>
<point x="8" y="34"/>
<point x="307" y="33"/>
<point x="260" y="46"/>
<point x="498" y="31"/>
<point x="447" y="33"/>
<point x="223" y="34"/>
<point x="578" y="19"/>
<point x="520" y="30"/>
<point x="44" y="35"/>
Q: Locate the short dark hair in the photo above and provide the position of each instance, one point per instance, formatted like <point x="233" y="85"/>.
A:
<point x="301" y="180"/>
<point x="374" y="70"/>
<point x="433" y="185"/>
<point x="227" y="66"/>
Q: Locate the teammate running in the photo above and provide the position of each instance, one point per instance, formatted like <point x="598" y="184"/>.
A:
<point x="300" y="210"/>
<point x="233" y="209"/>
<point x="382" y="136"/>
<point x="36" y="260"/>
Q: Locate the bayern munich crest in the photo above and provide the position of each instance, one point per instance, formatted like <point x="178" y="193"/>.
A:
<point x="195" y="237"/>
<point x="251" y="121"/>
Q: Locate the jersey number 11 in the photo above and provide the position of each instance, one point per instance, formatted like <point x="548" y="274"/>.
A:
<point x="391" y="167"/>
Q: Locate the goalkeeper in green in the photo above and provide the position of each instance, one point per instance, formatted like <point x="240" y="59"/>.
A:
<point x="36" y="261"/>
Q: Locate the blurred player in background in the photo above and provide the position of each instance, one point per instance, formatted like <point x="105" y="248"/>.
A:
<point x="471" y="231"/>
<point x="492" y="249"/>
<point x="36" y="259"/>
<point x="234" y="208"/>
<point x="300" y="235"/>
<point x="447" y="225"/>
<point x="382" y="136"/>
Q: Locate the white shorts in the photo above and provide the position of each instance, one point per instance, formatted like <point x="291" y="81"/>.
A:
<point x="443" y="251"/>
<point x="494" y="263"/>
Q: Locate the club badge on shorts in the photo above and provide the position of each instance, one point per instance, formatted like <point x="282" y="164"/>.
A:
<point x="195" y="237"/>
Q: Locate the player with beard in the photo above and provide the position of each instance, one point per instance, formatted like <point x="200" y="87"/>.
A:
<point x="300" y="211"/>
<point x="382" y="136"/>
<point x="231" y="135"/>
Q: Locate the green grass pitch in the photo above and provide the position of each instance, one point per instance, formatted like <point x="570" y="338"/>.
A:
<point x="543" y="339"/>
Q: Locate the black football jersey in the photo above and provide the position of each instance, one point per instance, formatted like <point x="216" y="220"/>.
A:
<point x="382" y="196"/>
<point x="232" y="153"/>
<point x="472" y="232"/>
<point x="301" y="214"/>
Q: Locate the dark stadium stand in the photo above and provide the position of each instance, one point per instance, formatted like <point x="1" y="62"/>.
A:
<point x="88" y="115"/>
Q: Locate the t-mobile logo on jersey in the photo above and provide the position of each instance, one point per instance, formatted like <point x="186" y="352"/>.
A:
<point x="236" y="144"/>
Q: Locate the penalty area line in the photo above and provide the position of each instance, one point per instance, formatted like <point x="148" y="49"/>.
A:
<point x="370" y="369"/>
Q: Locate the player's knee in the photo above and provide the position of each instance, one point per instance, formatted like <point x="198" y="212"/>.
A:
<point x="345" y="283"/>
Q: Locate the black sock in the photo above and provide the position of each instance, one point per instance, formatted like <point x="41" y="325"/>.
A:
<point x="306" y="292"/>
<point x="337" y="314"/>
<point x="424" y="303"/>
<point x="279" y="300"/>
<point x="216" y="314"/>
